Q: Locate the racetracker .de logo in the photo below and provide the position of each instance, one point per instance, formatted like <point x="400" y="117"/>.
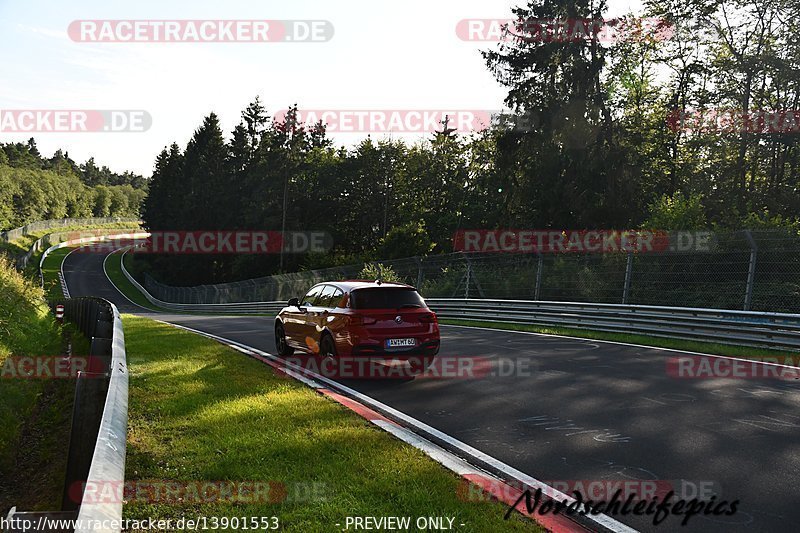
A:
<point x="581" y="241"/>
<point x="200" y="31"/>
<point x="412" y="367"/>
<point x="74" y="120"/>
<point x="217" y="242"/>
<point x="52" y="367"/>
<point x="708" y="367"/>
<point x="734" y="121"/>
<point x="569" y="30"/>
<point x="479" y="488"/>
<point x="394" y="120"/>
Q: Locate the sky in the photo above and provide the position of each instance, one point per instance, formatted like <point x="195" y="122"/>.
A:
<point x="383" y="55"/>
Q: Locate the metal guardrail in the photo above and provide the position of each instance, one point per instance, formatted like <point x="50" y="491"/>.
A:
<point x="16" y="233"/>
<point x="22" y="260"/>
<point x="245" y="308"/>
<point x="97" y="447"/>
<point x="84" y="240"/>
<point x="743" y="328"/>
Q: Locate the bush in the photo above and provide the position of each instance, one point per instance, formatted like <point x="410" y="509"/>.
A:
<point x="381" y="272"/>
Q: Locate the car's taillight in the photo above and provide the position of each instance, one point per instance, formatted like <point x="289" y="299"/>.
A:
<point x="361" y="320"/>
<point x="428" y="319"/>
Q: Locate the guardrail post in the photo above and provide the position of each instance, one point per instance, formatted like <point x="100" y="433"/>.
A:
<point x="628" y="271"/>
<point x="751" y="271"/>
<point x="538" y="289"/>
<point x="87" y="413"/>
<point x="467" y="277"/>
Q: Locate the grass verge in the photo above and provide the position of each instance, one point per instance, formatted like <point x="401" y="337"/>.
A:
<point x="113" y="267"/>
<point x="200" y="411"/>
<point x="50" y="269"/>
<point x="655" y="342"/>
<point x="35" y="414"/>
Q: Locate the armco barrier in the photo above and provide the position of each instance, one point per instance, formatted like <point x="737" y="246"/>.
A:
<point x="245" y="308"/>
<point x="73" y="242"/>
<point x="97" y="446"/>
<point x="42" y="225"/>
<point x="743" y="328"/>
<point x="22" y="260"/>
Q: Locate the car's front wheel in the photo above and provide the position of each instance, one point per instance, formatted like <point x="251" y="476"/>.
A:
<point x="284" y="350"/>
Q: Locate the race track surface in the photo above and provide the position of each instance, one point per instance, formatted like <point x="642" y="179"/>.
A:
<point x="574" y="410"/>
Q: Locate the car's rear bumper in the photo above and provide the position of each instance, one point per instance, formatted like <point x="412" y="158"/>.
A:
<point x="427" y="348"/>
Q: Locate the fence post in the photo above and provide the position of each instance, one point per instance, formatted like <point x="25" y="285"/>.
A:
<point x="751" y="271"/>
<point x="538" y="289"/>
<point x="467" y="277"/>
<point x="628" y="271"/>
<point x="419" y="273"/>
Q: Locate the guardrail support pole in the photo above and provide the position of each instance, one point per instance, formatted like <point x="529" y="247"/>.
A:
<point x="751" y="271"/>
<point x="537" y="290"/>
<point x="467" y="277"/>
<point x="628" y="271"/>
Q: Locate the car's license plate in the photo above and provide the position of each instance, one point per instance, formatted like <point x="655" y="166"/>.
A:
<point x="401" y="343"/>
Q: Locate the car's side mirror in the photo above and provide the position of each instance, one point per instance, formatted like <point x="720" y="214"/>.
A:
<point x="294" y="302"/>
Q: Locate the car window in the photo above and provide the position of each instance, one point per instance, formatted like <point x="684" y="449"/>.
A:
<point x="337" y="298"/>
<point x="326" y="298"/>
<point x="385" y="298"/>
<point x="309" y="299"/>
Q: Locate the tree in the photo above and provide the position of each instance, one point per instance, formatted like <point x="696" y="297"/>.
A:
<point x="672" y="213"/>
<point x="408" y="240"/>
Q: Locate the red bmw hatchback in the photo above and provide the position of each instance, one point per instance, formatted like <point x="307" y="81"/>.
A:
<point x="359" y="318"/>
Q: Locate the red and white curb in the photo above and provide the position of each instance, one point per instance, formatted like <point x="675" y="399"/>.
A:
<point x="368" y="408"/>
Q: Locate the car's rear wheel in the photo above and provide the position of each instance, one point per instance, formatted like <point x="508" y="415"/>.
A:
<point x="284" y="350"/>
<point x="327" y="348"/>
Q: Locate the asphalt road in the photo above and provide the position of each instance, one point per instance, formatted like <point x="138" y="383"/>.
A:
<point x="575" y="410"/>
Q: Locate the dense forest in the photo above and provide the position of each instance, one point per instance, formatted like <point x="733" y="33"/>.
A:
<point x="600" y="148"/>
<point x="33" y="187"/>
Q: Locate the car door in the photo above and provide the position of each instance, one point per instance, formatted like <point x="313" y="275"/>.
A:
<point x="321" y="310"/>
<point x="296" y="322"/>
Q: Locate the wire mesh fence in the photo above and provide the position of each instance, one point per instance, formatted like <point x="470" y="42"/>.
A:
<point x="750" y="270"/>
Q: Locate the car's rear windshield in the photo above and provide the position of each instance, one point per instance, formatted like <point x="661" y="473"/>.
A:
<point x="385" y="298"/>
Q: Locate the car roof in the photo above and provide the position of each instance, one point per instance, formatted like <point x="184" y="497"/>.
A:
<point x="353" y="284"/>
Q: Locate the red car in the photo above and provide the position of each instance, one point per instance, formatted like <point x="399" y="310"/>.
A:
<point x="359" y="318"/>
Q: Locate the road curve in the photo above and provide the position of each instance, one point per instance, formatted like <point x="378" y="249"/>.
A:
<point x="581" y="410"/>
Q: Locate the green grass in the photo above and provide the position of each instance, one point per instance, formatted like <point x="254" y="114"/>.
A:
<point x="34" y="414"/>
<point x="50" y="269"/>
<point x="113" y="267"/>
<point x="656" y="342"/>
<point x="33" y="264"/>
<point x="200" y="411"/>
